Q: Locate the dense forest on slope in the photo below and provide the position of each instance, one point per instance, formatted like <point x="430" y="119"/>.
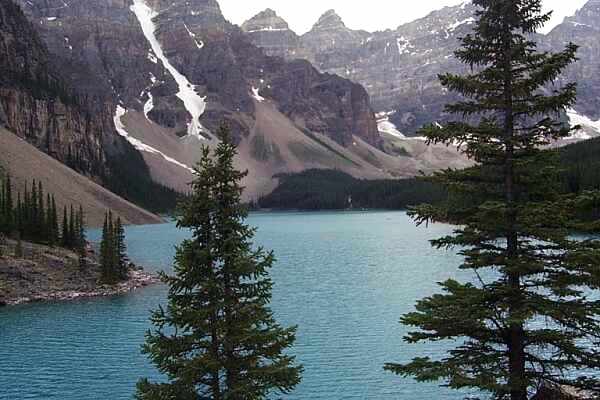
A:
<point x="332" y="190"/>
<point x="582" y="165"/>
<point x="129" y="178"/>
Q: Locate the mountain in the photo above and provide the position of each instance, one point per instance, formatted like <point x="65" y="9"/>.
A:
<point x="273" y="33"/>
<point x="25" y="162"/>
<point x="583" y="29"/>
<point x="43" y="103"/>
<point x="165" y="74"/>
<point x="399" y="67"/>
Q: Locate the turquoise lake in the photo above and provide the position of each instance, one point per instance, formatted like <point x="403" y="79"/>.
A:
<point x="344" y="278"/>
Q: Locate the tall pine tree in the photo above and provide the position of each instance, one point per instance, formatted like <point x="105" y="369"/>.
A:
<point x="217" y="339"/>
<point x="65" y="229"/>
<point x="120" y="250"/>
<point x="526" y="320"/>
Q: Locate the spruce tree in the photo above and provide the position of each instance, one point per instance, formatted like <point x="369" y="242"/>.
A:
<point x="120" y="250"/>
<point x="65" y="229"/>
<point x="81" y="239"/>
<point x="33" y="228"/>
<point x="71" y="231"/>
<point x="54" y="221"/>
<point x="217" y="339"/>
<point x="8" y="206"/>
<point x="18" y="221"/>
<point x="104" y="253"/>
<point x="41" y="229"/>
<point x="525" y="320"/>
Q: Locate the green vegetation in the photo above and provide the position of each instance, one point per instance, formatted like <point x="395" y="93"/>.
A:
<point x="130" y="178"/>
<point x="217" y="338"/>
<point x="581" y="162"/>
<point x="33" y="217"/>
<point x="113" y="251"/>
<point x="336" y="190"/>
<point x="527" y="320"/>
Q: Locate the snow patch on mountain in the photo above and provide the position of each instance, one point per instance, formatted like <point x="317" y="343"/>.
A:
<point x="586" y="125"/>
<point x="268" y="29"/>
<point x="149" y="105"/>
<point x="384" y="125"/>
<point x="193" y="102"/>
<point x="257" y="96"/>
<point x="455" y="25"/>
<point x="138" y="144"/>
<point x="199" y="44"/>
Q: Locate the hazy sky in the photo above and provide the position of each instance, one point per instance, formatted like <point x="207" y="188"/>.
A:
<point x="370" y="15"/>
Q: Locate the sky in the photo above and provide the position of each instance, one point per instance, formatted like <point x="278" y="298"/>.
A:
<point x="370" y="15"/>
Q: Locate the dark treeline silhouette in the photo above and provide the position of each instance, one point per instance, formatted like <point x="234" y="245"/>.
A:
<point x="113" y="257"/>
<point x="33" y="216"/>
<point x="335" y="190"/>
<point x="581" y="162"/>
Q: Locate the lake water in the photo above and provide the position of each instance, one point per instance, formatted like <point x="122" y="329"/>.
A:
<point x="344" y="278"/>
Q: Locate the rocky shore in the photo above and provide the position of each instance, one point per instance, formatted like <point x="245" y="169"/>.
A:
<point x="53" y="274"/>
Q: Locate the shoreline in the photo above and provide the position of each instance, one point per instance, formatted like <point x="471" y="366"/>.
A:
<point x="138" y="279"/>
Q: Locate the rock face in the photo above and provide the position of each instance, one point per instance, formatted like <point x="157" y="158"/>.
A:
<point x="273" y="33"/>
<point x="330" y="34"/>
<point x="53" y="101"/>
<point x="106" y="42"/>
<point x="399" y="67"/>
<point x="582" y="29"/>
<point x="38" y="106"/>
<point x="162" y="75"/>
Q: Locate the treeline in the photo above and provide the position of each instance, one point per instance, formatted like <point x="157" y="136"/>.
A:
<point x="581" y="164"/>
<point x="130" y="178"/>
<point x="33" y="216"/>
<point x="335" y="190"/>
<point x="113" y="252"/>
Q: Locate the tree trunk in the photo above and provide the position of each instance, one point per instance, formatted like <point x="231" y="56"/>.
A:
<point x="216" y="384"/>
<point x="516" y="341"/>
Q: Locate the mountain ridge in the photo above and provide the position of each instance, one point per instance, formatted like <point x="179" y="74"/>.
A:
<point x="399" y="67"/>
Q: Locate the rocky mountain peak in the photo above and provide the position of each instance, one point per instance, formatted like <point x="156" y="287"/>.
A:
<point x="587" y="16"/>
<point x="198" y="14"/>
<point x="330" y="20"/>
<point x="266" y="20"/>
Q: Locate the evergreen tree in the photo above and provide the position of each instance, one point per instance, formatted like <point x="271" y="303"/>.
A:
<point x="81" y="239"/>
<point x="41" y="229"/>
<point x="8" y="206"/>
<point x="72" y="231"/>
<point x="48" y="224"/>
<point x="19" y="215"/>
<point x="105" y="259"/>
<point x="526" y="320"/>
<point x="113" y="266"/>
<point x="218" y="339"/>
<point x="54" y="222"/>
<point x="33" y="226"/>
<point x="120" y="250"/>
<point x="65" y="229"/>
